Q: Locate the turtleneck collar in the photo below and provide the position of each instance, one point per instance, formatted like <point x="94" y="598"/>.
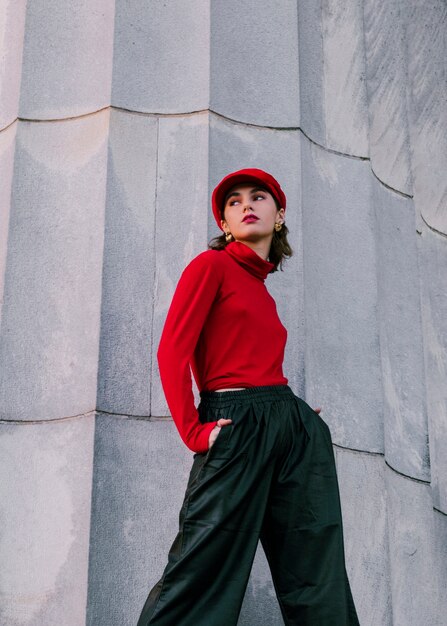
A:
<point x="249" y="259"/>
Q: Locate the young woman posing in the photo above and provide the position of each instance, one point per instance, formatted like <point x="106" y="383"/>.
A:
<point x="264" y="466"/>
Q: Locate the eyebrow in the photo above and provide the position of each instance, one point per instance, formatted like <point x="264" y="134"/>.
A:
<point x="238" y="193"/>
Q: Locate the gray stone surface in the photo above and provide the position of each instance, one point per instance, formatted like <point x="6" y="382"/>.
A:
<point x="418" y="553"/>
<point x="400" y="324"/>
<point x="433" y="258"/>
<point x="180" y="226"/>
<point x="260" y="606"/>
<point x="141" y="470"/>
<point x="344" y="92"/>
<point x="12" y="27"/>
<point x="332" y="74"/>
<point x="425" y="25"/>
<point x="128" y="267"/>
<point x="7" y="147"/>
<point x="365" y="515"/>
<point x="387" y="85"/>
<point x="51" y="308"/>
<point x="254" y="61"/>
<point x="343" y="372"/>
<point x="67" y="58"/>
<point x="232" y="147"/>
<point x="45" y="501"/>
<point x="161" y="55"/>
<point x="311" y="55"/>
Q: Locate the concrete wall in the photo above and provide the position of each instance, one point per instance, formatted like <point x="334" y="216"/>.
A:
<point x="116" y="121"/>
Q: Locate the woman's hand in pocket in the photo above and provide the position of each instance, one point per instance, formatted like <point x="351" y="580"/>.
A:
<point x="216" y="430"/>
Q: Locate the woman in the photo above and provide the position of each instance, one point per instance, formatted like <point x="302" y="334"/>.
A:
<point x="263" y="465"/>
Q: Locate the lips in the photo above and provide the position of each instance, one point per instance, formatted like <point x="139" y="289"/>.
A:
<point x="250" y="218"/>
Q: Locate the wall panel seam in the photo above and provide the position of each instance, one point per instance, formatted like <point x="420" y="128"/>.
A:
<point x="47" y="421"/>
<point x="381" y="454"/>
<point x="233" y="121"/>
<point x="434" y="230"/>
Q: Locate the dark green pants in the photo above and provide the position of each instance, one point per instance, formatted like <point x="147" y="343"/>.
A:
<point x="270" y="475"/>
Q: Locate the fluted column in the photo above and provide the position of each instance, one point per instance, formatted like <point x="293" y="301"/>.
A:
<point x="116" y="121"/>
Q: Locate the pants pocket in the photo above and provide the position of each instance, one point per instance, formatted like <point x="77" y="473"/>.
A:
<point x="220" y="448"/>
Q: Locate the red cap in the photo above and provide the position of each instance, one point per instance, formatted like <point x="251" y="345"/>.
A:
<point x="253" y="175"/>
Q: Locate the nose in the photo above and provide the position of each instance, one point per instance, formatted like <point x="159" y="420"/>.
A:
<point x="247" y="205"/>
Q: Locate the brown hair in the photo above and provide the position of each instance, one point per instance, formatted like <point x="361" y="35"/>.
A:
<point x="280" y="249"/>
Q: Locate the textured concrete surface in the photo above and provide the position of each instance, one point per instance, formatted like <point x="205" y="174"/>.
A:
<point x="334" y="109"/>
<point x="387" y="85"/>
<point x="7" y="148"/>
<point x="365" y="519"/>
<point x="400" y="329"/>
<point x="418" y="551"/>
<point x="99" y="214"/>
<point x="181" y="230"/>
<point x="342" y="337"/>
<point x="137" y="493"/>
<point x="344" y="92"/>
<point x="162" y="55"/>
<point x="425" y="25"/>
<point x="254" y="62"/>
<point x="128" y="266"/>
<point x="434" y="314"/>
<point x="67" y="58"/>
<point x="12" y="28"/>
<point x="260" y="605"/>
<point x="50" y="314"/>
<point x="45" y="502"/>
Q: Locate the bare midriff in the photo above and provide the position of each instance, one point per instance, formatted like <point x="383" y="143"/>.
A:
<point x="232" y="389"/>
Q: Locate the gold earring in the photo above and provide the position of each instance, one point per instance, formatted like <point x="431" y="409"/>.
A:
<point x="228" y="236"/>
<point x="278" y="226"/>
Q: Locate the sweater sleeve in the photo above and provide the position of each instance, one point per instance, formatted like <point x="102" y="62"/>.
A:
<point x="194" y="295"/>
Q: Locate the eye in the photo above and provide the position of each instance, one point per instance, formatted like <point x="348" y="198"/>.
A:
<point x="233" y="202"/>
<point x="259" y="196"/>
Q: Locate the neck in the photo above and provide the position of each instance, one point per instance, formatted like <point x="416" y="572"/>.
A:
<point x="262" y="247"/>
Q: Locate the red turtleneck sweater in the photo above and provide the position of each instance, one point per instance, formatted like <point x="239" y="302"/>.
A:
<point x="223" y="323"/>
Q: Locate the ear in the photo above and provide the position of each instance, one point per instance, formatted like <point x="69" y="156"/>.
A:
<point x="223" y="223"/>
<point x="281" y="212"/>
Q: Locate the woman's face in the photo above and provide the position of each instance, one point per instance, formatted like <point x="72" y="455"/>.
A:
<point x="250" y="213"/>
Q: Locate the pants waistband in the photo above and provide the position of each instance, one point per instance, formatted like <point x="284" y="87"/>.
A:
<point x="216" y="399"/>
